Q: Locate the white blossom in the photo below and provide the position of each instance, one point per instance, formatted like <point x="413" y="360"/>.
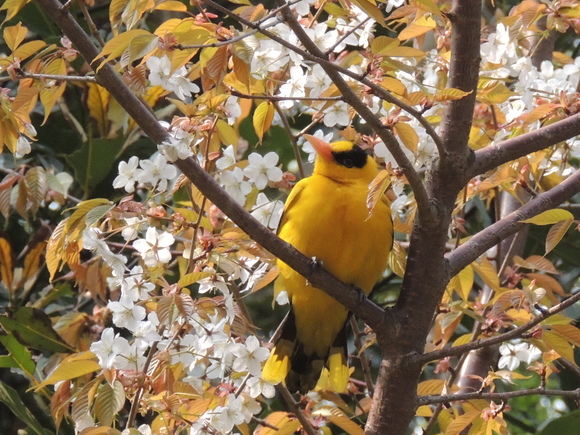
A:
<point x="337" y="114"/>
<point x="234" y="183"/>
<point x="154" y="247"/>
<point x="128" y="175"/>
<point x="108" y="347"/>
<point x="126" y="314"/>
<point x="157" y="172"/>
<point x="249" y="356"/>
<point x="227" y="159"/>
<point x="267" y="212"/>
<point x="262" y="169"/>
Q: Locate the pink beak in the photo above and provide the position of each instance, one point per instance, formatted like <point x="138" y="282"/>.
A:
<point x="323" y="149"/>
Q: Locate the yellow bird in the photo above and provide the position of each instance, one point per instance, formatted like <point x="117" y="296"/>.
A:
<point x="326" y="217"/>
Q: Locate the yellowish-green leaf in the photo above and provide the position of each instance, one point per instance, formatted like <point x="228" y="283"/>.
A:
<point x="371" y="9"/>
<point x="109" y="401"/>
<point x="464" y="281"/>
<point x="494" y="93"/>
<point x="12" y="7"/>
<point x="32" y="261"/>
<point x="488" y="274"/>
<point x="263" y="117"/>
<point x="97" y="102"/>
<point x="383" y="43"/>
<point x="14" y="35"/>
<point x="431" y="387"/>
<point x="461" y="422"/>
<point x="172" y="5"/>
<point x="550" y="217"/>
<point x="285" y="423"/>
<point x="393" y="85"/>
<point x="547" y="282"/>
<point x="418" y="28"/>
<point x="70" y="370"/>
<point x="408" y="136"/>
<point x="116" y="46"/>
<point x="76" y="223"/>
<point x="339" y="418"/>
<point x="569" y="332"/>
<point x="140" y="46"/>
<point x="449" y="94"/>
<point x="228" y="135"/>
<point x="556" y="233"/>
<point x="191" y="278"/>
<point x="559" y="344"/>
<point x="54" y="248"/>
<point x="28" y="49"/>
<point x="49" y="96"/>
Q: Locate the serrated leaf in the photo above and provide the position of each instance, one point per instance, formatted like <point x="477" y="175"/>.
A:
<point x="84" y="400"/>
<point x="398" y="259"/>
<point x="263" y="117"/>
<point x="50" y="95"/>
<point x="393" y="85"/>
<point x="32" y="327"/>
<point x="37" y="187"/>
<point x="536" y="262"/>
<point x="556" y="233"/>
<point x="108" y="402"/>
<point x="139" y="47"/>
<point x="28" y="49"/>
<point x="54" y="248"/>
<point x="76" y="223"/>
<point x="408" y="136"/>
<point x="97" y="213"/>
<point x="550" y="217"/>
<point x="450" y="94"/>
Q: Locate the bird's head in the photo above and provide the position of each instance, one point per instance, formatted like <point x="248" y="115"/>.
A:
<point x="342" y="160"/>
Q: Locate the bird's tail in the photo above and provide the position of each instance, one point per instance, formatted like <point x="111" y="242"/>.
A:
<point x="305" y="372"/>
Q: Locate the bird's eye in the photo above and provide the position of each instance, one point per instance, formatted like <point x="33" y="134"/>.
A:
<point x="348" y="163"/>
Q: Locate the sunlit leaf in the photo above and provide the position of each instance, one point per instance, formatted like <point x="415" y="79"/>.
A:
<point x="109" y="401"/>
<point x="408" y="136"/>
<point x="377" y="189"/>
<point x="431" y="387"/>
<point x="550" y="217"/>
<point x="339" y="418"/>
<point x="68" y="370"/>
<point x="449" y="94"/>
<point x="263" y="117"/>
<point x="6" y="263"/>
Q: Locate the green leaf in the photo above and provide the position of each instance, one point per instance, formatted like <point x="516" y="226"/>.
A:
<point x="12" y="400"/>
<point x="565" y="425"/>
<point x="32" y="327"/>
<point x="108" y="402"/>
<point x="20" y="356"/>
<point x="550" y="217"/>
<point x="93" y="162"/>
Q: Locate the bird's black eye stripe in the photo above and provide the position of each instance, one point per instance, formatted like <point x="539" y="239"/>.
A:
<point x="355" y="158"/>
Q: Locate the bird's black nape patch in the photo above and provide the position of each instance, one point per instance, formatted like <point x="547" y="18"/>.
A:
<point x="355" y="158"/>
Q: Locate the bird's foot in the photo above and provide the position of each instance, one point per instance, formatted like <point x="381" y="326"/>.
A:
<point x="315" y="263"/>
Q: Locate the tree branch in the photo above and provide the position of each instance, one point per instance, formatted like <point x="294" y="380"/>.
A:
<point x="459" y="258"/>
<point x="431" y="400"/>
<point x="511" y="149"/>
<point x="514" y="333"/>
<point x="348" y="295"/>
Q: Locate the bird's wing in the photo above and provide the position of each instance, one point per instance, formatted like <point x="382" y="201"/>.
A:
<point x="293" y="198"/>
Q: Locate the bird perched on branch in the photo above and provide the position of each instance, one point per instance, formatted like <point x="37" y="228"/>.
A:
<point x="326" y="217"/>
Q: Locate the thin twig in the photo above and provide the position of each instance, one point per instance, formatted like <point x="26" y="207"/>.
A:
<point x="57" y="77"/>
<point x="280" y="98"/>
<point x="306" y="426"/>
<point x="430" y="400"/>
<point x="514" y="333"/>
<point x="91" y="23"/>
<point x="293" y="140"/>
<point x="364" y="362"/>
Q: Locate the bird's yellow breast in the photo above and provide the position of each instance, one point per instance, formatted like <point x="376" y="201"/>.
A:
<point x="329" y="220"/>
